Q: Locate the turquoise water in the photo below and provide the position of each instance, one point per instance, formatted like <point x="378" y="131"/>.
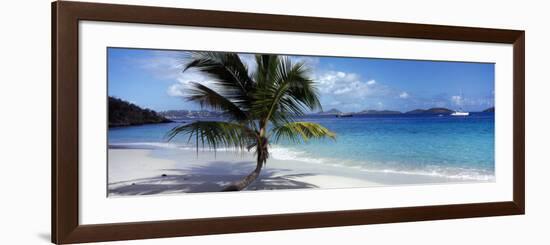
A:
<point x="454" y="147"/>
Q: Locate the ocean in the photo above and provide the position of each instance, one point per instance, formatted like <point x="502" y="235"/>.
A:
<point x="443" y="146"/>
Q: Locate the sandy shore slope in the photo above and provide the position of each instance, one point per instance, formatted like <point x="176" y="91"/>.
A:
<point x="154" y="171"/>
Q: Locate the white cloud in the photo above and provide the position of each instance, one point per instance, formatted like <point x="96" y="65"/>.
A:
<point x="472" y="102"/>
<point x="347" y="90"/>
<point x="461" y="101"/>
<point x="342" y="91"/>
<point x="168" y="65"/>
<point x="457" y="100"/>
<point x="341" y="83"/>
<point x="176" y="90"/>
<point x="184" y="82"/>
<point x="165" y="64"/>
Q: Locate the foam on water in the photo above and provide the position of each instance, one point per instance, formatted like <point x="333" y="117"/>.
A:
<point x="286" y="154"/>
<point x="282" y="153"/>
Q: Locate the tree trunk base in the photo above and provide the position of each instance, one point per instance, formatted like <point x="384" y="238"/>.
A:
<point x="240" y="185"/>
<point x="231" y="188"/>
<point x="262" y="156"/>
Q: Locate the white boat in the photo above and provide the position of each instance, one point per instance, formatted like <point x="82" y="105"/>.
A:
<point x="344" y="115"/>
<point x="460" y="113"/>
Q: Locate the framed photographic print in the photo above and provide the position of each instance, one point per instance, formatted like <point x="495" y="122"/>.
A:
<point x="175" y="122"/>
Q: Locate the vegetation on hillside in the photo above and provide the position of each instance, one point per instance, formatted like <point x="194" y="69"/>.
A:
<point x="123" y="113"/>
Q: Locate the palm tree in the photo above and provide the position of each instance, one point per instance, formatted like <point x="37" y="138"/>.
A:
<point x="260" y="106"/>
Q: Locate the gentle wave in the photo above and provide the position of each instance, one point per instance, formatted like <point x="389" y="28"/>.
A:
<point x="284" y="153"/>
<point x="287" y="154"/>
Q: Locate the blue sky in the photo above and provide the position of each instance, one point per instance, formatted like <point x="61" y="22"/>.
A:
<point x="154" y="79"/>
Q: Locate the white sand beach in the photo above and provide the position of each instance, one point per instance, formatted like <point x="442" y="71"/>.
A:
<point x="153" y="171"/>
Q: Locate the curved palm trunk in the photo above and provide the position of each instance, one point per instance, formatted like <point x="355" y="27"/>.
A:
<point x="260" y="161"/>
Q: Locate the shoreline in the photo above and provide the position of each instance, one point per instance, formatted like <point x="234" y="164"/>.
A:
<point x="149" y="171"/>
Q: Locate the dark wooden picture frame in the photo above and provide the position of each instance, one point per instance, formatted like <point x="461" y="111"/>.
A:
<point x="65" y="136"/>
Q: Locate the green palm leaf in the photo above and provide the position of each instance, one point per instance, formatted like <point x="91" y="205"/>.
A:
<point x="214" y="134"/>
<point x="266" y="69"/>
<point x="301" y="131"/>
<point x="274" y="94"/>
<point x="207" y="97"/>
<point x="227" y="71"/>
<point x="288" y="94"/>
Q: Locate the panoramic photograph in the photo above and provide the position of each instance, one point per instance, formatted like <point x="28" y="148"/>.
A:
<point x="200" y="121"/>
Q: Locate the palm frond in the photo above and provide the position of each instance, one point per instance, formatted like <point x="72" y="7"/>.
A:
<point x="266" y="69"/>
<point x="301" y="131"/>
<point x="290" y="93"/>
<point x="207" y="97"/>
<point x="213" y="134"/>
<point x="301" y="88"/>
<point x="228" y="71"/>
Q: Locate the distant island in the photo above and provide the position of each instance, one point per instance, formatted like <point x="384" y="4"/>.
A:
<point x="431" y="111"/>
<point x="379" y="112"/>
<point x="329" y="112"/>
<point x="492" y="109"/>
<point x="387" y="112"/>
<point x="124" y="113"/>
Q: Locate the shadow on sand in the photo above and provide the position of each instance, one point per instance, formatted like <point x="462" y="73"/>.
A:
<point x="212" y="177"/>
